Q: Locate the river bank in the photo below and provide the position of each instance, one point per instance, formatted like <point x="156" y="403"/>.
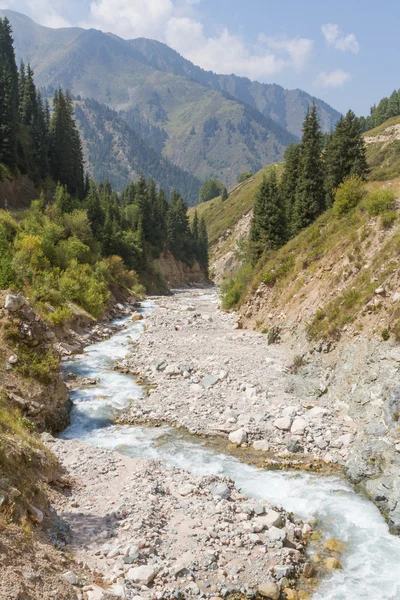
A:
<point x="212" y="364"/>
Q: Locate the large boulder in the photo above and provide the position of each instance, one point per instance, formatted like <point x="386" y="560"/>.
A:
<point x="238" y="437"/>
<point x="14" y="302"/>
<point x="143" y="575"/>
<point x="270" y="590"/>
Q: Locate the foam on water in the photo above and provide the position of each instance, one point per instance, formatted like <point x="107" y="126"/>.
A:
<point x="371" y="564"/>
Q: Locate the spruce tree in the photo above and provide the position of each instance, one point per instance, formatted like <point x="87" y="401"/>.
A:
<point x="344" y="154"/>
<point x="289" y="182"/>
<point x="310" y="196"/>
<point x="94" y="210"/>
<point x="224" y="195"/>
<point x="268" y="226"/>
<point x="8" y="97"/>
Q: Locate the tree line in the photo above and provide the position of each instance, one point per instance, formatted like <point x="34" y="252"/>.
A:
<point x="387" y="107"/>
<point x="136" y="224"/>
<point x="312" y="171"/>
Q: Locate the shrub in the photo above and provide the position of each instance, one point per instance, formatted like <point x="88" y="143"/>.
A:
<point x="59" y="316"/>
<point x="234" y="288"/>
<point x="39" y="365"/>
<point x="379" y="201"/>
<point x="114" y="271"/>
<point x="245" y="175"/>
<point x="274" y="335"/>
<point x="298" y="362"/>
<point x="385" y="335"/>
<point x="348" y="195"/>
<point x="88" y="288"/>
<point x="280" y="271"/>
<point x="388" y="219"/>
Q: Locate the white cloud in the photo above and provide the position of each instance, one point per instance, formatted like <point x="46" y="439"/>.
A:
<point x="333" y="79"/>
<point x="45" y="12"/>
<point x="174" y="22"/>
<point x="336" y="38"/>
<point x="299" y="49"/>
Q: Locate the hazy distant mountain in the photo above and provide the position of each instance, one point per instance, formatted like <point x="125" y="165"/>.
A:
<point x="210" y="125"/>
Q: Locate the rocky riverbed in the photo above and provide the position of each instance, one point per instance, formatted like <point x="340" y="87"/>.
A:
<point x="205" y="374"/>
<point x="150" y="531"/>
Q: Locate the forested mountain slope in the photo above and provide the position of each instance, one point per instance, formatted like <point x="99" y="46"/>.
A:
<point x="285" y="107"/>
<point x="213" y="126"/>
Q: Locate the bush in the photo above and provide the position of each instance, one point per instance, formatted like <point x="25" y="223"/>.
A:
<point x="114" y="271"/>
<point x="88" y="288"/>
<point x="245" y="175"/>
<point x="234" y="288"/>
<point x="388" y="219"/>
<point x="348" y="195"/>
<point x="39" y="365"/>
<point x="60" y="315"/>
<point x="385" y="335"/>
<point x="274" y="335"/>
<point x="210" y="189"/>
<point x="379" y="202"/>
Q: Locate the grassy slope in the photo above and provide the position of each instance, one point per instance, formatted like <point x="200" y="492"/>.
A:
<point x="383" y="153"/>
<point x="221" y="216"/>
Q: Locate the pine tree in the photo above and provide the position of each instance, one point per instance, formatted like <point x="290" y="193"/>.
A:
<point x="195" y="227"/>
<point x="289" y="182"/>
<point x="63" y="200"/>
<point x="268" y="226"/>
<point x="394" y="104"/>
<point x="66" y="158"/>
<point x="8" y="97"/>
<point x="344" y="155"/>
<point x="224" y="195"/>
<point x="310" y="201"/>
<point x="94" y="210"/>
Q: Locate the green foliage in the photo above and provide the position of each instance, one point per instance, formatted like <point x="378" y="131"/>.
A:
<point x="88" y="288"/>
<point x="268" y="226"/>
<point x="385" y="335"/>
<point x="386" y="108"/>
<point x="58" y="316"/>
<point x="210" y="189"/>
<point x="224" y="195"/>
<point x="283" y="268"/>
<point x="234" y="288"/>
<point x="245" y="175"/>
<point x="388" y="219"/>
<point x="348" y="195"/>
<point x="274" y="335"/>
<point x="35" y="364"/>
<point x="379" y="201"/>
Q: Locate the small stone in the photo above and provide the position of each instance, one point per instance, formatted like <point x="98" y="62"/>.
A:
<point x="306" y="529"/>
<point x="143" y="575"/>
<point x="70" y="577"/>
<point x="332" y="563"/>
<point x="294" y="446"/>
<point x="209" y="381"/>
<point x="380" y="291"/>
<point x="35" y="514"/>
<point x="13" y="359"/>
<point x="335" y="545"/>
<point x="269" y="590"/>
<point x="261" y="445"/>
<point x="298" y="426"/>
<point x="290" y="594"/>
<point x="284" y="423"/>
<point x="186" y="489"/>
<point x="308" y="570"/>
<point x="221" y="489"/>
<point x="238" y="437"/>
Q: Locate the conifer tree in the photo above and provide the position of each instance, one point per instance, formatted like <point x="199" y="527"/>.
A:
<point x="224" y="195"/>
<point x="195" y="227"/>
<point x="344" y="155"/>
<point x="289" y="182"/>
<point x="8" y="97"/>
<point x="310" y="197"/>
<point x="66" y="158"/>
<point x="94" y="210"/>
<point x="268" y="226"/>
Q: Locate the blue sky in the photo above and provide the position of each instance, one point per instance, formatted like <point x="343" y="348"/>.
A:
<point x="345" y="52"/>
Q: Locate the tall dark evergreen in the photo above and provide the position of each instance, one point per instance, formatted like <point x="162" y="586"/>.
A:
<point x="268" y="226"/>
<point x="8" y="97"/>
<point x="310" y="196"/>
<point x="344" y="154"/>
<point x="289" y="181"/>
<point x="66" y="158"/>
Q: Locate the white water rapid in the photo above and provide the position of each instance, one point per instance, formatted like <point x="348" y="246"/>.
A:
<point x="371" y="564"/>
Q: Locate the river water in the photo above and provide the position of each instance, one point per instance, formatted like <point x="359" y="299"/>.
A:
<point x="371" y="564"/>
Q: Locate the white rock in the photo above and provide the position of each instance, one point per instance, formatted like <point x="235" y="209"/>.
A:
<point x="345" y="440"/>
<point x="13" y="359"/>
<point x="143" y="575"/>
<point x="306" y="529"/>
<point x="172" y="370"/>
<point x="186" y="489"/>
<point x="261" y="445"/>
<point x="238" y="437"/>
<point x="14" y="302"/>
<point x="298" y="426"/>
<point x="395" y="297"/>
<point x="272" y="519"/>
<point x="316" y="411"/>
<point x="284" y="423"/>
<point x="276" y="534"/>
<point x="70" y="577"/>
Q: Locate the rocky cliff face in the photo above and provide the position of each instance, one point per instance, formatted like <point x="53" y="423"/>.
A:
<point x="177" y="273"/>
<point x="17" y="194"/>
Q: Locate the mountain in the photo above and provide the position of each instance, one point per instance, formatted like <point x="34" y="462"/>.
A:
<point x="210" y="125"/>
<point x="285" y="107"/>
<point x="115" y="151"/>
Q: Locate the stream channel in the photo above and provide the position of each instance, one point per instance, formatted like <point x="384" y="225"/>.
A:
<point x="371" y="564"/>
